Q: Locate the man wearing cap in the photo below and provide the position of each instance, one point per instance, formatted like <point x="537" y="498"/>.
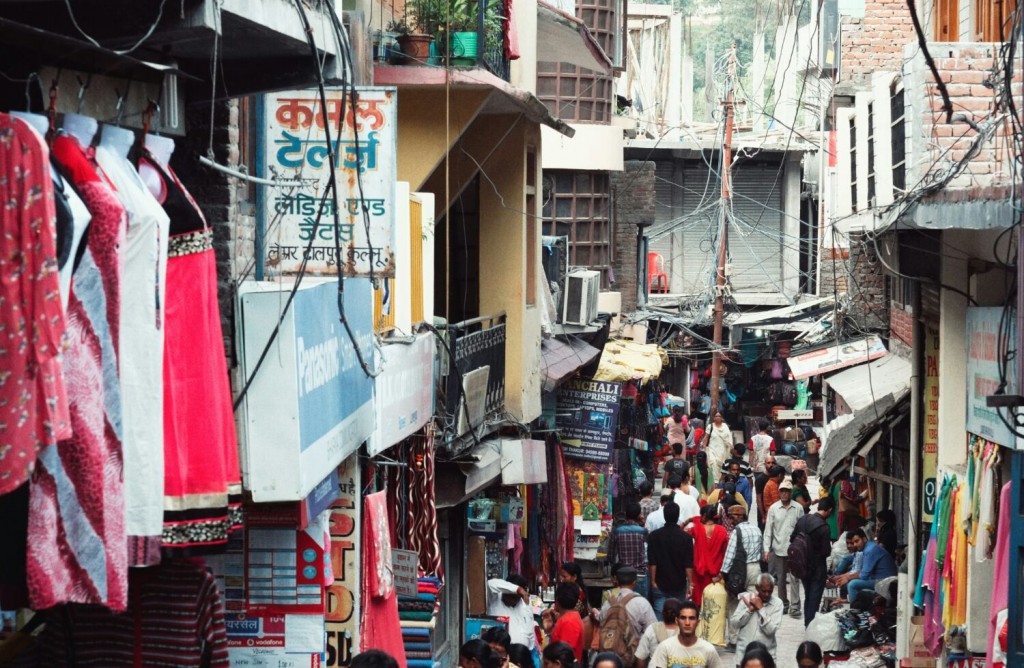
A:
<point x="778" y="527"/>
<point x="640" y="613"/>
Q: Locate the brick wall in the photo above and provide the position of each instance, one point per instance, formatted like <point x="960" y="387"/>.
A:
<point x="223" y="199"/>
<point x="875" y="43"/>
<point x="633" y="197"/>
<point x="869" y="299"/>
<point x="834" y="271"/>
<point x="937" y="144"/>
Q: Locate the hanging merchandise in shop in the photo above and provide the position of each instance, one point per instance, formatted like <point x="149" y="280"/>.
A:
<point x="306" y="240"/>
<point x="318" y="379"/>
<point x="586" y="418"/>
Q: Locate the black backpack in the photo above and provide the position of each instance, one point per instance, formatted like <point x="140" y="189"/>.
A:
<point x="736" y="578"/>
<point x="799" y="553"/>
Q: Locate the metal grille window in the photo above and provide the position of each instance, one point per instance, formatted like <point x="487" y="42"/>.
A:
<point x="898" y="143"/>
<point x="577" y="205"/>
<point x="853" y="164"/>
<point x="871" y="155"/>
<point x="573" y="93"/>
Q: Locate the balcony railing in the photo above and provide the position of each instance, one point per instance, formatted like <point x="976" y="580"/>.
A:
<point x="475" y="344"/>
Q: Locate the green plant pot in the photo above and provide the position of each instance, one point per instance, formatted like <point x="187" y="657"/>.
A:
<point x="463" y="49"/>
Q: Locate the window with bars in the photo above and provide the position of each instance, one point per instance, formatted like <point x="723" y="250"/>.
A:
<point x="574" y="93"/>
<point x="898" y="142"/>
<point x="871" y="155"/>
<point x="853" y="164"/>
<point x="577" y="205"/>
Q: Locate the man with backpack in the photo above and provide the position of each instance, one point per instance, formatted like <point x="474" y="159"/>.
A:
<point x="624" y="618"/>
<point x="809" y="547"/>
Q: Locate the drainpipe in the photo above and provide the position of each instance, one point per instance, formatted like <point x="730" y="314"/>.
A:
<point x="914" y="525"/>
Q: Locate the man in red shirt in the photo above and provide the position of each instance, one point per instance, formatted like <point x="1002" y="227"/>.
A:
<point x="569" y="627"/>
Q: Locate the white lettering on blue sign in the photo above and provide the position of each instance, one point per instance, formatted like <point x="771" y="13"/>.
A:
<point x="319" y="364"/>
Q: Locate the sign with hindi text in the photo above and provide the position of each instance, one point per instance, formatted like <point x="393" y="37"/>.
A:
<point x="352" y="230"/>
<point x="988" y="364"/>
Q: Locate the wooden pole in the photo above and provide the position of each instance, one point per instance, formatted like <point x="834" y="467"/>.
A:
<point x="723" y="234"/>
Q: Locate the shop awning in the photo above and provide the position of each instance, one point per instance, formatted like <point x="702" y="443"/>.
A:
<point x="782" y="318"/>
<point x="859" y="434"/>
<point x="562" y="359"/>
<point x="563" y="38"/>
<point x="625" y="360"/>
<point x="459" y="480"/>
<point x="827" y="359"/>
<point x="863" y="384"/>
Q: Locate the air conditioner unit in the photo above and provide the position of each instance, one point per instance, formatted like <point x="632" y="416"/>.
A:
<point x="579" y="303"/>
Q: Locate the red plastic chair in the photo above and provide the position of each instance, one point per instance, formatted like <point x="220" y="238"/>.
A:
<point x="656" y="273"/>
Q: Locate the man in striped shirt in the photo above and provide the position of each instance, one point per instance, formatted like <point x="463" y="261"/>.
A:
<point x="751" y="537"/>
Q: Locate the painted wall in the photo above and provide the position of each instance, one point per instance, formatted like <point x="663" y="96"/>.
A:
<point x="503" y="264"/>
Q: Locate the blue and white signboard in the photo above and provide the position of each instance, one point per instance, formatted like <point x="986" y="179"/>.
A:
<point x="364" y="145"/>
<point x="310" y="405"/>
<point x="985" y="368"/>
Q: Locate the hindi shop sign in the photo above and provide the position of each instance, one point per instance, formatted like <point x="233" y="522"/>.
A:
<point x="587" y="414"/>
<point x="301" y="221"/>
<point x="310" y="404"/>
<point x="984" y="361"/>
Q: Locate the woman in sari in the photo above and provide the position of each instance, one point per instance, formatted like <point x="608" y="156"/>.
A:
<point x="709" y="542"/>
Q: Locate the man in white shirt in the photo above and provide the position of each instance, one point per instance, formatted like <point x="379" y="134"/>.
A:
<point x="508" y="598"/>
<point x="778" y="528"/>
<point x="758" y="616"/>
<point x="689" y="509"/>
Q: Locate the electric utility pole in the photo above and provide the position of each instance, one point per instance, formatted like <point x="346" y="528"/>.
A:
<point x="723" y="234"/>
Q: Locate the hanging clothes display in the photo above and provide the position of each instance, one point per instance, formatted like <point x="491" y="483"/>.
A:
<point x="141" y="349"/>
<point x="202" y="483"/>
<point x="175" y="618"/>
<point x="76" y="534"/>
<point x="379" y="626"/>
<point x="422" y="513"/>
<point x="33" y="404"/>
<point x="1001" y="586"/>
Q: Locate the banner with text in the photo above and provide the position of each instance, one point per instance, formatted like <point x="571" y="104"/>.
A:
<point x="985" y="358"/>
<point x="930" y="440"/>
<point x="300" y="220"/>
<point x="587" y="414"/>
<point x="342" y="614"/>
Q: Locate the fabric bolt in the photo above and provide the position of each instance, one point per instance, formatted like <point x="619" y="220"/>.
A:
<point x="380" y="627"/>
<point x="708" y="555"/>
<point x="33" y="401"/>
<point x="141" y="357"/>
<point x="175" y="619"/>
<point x="202" y="482"/>
<point x="76" y="544"/>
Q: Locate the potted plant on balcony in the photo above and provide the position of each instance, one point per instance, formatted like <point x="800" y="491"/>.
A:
<point x="422" y="18"/>
<point x="462" y="24"/>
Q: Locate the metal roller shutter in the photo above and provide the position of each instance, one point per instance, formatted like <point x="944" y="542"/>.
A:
<point x="666" y="198"/>
<point x="755" y="236"/>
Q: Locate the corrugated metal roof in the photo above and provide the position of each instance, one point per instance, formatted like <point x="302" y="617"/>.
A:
<point x="865" y="384"/>
<point x="562" y="359"/>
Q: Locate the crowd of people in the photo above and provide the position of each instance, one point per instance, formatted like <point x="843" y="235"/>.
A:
<point x="732" y="545"/>
<point x="711" y="566"/>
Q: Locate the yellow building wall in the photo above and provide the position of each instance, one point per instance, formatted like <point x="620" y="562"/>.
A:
<point x="503" y="266"/>
<point x="422" y="139"/>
